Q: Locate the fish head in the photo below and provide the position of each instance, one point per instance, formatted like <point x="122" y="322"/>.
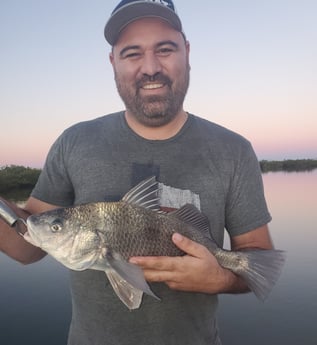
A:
<point x="67" y="235"/>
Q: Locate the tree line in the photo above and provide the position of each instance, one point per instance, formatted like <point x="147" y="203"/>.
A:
<point x="17" y="182"/>
<point x="288" y="165"/>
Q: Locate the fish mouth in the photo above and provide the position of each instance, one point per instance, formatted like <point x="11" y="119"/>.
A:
<point x="32" y="239"/>
<point x="31" y="236"/>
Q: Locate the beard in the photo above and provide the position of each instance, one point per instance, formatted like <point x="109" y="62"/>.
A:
<point x="154" y="111"/>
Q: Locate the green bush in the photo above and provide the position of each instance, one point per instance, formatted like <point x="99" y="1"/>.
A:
<point x="288" y="165"/>
<point x="16" y="182"/>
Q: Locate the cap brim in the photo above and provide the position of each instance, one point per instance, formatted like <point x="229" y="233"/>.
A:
<point x="131" y="12"/>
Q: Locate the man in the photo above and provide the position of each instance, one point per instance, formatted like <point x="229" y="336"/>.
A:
<point x="195" y="161"/>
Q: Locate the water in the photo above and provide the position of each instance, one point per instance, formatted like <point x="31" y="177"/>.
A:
<point x="290" y="313"/>
<point x="35" y="304"/>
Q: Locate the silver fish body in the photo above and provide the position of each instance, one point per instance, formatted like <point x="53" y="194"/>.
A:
<point x="104" y="235"/>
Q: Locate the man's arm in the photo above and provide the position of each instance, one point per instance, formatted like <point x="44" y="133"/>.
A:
<point x="257" y="238"/>
<point x="11" y="242"/>
<point x="199" y="270"/>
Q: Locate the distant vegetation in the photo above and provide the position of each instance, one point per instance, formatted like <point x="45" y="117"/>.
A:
<point x="288" y="165"/>
<point x="17" y="182"/>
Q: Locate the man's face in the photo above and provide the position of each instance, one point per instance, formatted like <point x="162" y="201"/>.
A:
<point x="151" y="68"/>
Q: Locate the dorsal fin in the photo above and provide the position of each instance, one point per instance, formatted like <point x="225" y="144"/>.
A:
<point x="192" y="216"/>
<point x="144" y="194"/>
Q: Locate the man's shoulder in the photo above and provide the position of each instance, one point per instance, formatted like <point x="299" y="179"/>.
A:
<point x="106" y="123"/>
<point x="215" y="133"/>
<point x="104" y="120"/>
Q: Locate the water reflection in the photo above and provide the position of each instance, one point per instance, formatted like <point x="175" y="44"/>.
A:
<point x="34" y="303"/>
<point x="289" y="314"/>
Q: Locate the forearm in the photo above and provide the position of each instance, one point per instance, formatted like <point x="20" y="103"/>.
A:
<point x="231" y="283"/>
<point x="12" y="242"/>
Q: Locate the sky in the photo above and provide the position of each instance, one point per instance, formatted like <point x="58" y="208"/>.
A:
<point x="253" y="70"/>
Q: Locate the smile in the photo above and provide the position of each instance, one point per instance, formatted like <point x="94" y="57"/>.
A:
<point x="152" y="86"/>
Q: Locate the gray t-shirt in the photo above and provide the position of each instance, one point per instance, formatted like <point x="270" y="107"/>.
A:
<point x="204" y="164"/>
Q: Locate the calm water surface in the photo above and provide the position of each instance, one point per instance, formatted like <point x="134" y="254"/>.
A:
<point x="35" y="304"/>
<point x="289" y="315"/>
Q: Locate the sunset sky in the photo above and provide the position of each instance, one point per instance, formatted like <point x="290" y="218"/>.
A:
<point x="253" y="70"/>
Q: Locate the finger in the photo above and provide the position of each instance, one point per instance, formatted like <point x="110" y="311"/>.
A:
<point x="158" y="276"/>
<point x="156" y="268"/>
<point x="188" y="246"/>
<point x="162" y="263"/>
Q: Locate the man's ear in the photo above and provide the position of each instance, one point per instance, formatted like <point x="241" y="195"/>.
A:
<point x="111" y="58"/>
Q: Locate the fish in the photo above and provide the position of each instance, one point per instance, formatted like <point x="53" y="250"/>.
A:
<point x="104" y="235"/>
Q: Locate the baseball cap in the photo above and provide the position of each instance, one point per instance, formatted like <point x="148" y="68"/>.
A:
<point x="128" y="11"/>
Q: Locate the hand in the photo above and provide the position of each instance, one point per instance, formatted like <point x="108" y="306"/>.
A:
<point x="197" y="271"/>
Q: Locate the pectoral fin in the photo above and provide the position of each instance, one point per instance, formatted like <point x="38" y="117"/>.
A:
<point x="129" y="295"/>
<point x="127" y="281"/>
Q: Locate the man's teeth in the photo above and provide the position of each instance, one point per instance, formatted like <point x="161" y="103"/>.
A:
<point x="152" y="86"/>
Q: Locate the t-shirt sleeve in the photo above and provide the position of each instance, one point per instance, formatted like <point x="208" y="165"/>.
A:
<point x="246" y="208"/>
<point x="54" y="185"/>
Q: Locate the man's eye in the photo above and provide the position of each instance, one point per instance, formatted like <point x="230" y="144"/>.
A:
<point x="164" y="51"/>
<point x="131" y="55"/>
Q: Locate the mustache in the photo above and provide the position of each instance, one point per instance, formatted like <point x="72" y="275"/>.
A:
<point x="158" y="77"/>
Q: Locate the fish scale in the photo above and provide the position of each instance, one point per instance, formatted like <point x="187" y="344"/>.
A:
<point x="139" y="236"/>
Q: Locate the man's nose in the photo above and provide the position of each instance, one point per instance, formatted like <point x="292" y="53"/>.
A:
<point x="151" y="64"/>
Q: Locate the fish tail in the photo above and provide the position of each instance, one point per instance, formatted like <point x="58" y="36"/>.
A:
<point x="261" y="269"/>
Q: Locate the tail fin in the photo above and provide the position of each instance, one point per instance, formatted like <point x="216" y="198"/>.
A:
<point x="262" y="270"/>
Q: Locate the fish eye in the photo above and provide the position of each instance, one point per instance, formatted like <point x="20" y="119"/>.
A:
<point x="56" y="226"/>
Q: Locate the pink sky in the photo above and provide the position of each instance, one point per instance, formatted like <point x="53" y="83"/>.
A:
<point x="255" y="72"/>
